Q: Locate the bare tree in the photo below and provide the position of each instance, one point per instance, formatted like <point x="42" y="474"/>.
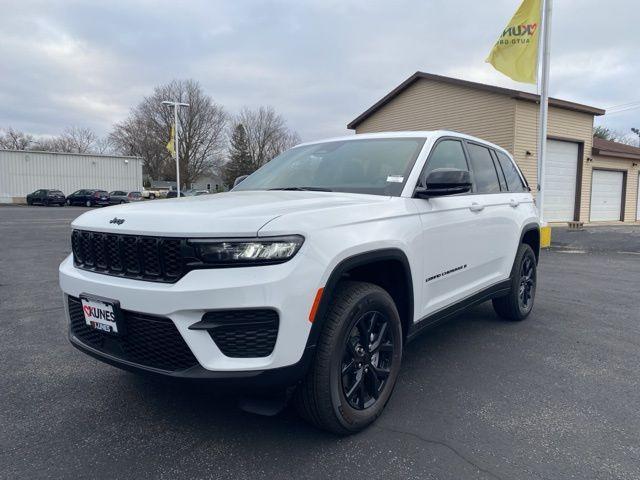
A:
<point x="11" y="139"/>
<point x="71" y="140"/>
<point x="147" y="130"/>
<point x="267" y="134"/>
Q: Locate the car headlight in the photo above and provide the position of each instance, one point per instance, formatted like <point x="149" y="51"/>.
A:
<point x="247" y="251"/>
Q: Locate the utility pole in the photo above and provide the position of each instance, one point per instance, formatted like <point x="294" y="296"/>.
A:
<point x="176" y="143"/>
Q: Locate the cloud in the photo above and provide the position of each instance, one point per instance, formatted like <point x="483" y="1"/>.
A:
<point x="320" y="63"/>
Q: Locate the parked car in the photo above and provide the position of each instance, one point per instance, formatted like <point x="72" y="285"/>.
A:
<point x="313" y="273"/>
<point x="46" y="197"/>
<point x="183" y="193"/>
<point x="89" y="198"/>
<point x="155" y="193"/>
<point x="120" y="196"/>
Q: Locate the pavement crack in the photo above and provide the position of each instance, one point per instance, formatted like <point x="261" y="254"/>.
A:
<point x="441" y="443"/>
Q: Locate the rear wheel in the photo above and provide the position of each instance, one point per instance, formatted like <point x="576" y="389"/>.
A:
<point x="88" y="204"/>
<point x="517" y="305"/>
<point x="356" y="363"/>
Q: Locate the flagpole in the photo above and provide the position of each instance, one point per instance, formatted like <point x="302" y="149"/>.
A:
<point x="176" y="143"/>
<point x="176" y="146"/>
<point x="544" y="106"/>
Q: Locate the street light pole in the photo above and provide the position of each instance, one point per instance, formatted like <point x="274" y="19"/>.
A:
<point x="176" y="143"/>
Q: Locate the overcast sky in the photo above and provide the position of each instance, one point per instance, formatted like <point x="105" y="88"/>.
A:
<point x="318" y="62"/>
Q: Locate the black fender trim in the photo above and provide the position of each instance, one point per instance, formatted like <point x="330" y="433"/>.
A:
<point x="528" y="228"/>
<point x="347" y="264"/>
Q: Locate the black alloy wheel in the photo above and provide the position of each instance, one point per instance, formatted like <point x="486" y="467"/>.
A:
<point x="518" y="303"/>
<point x="356" y="361"/>
<point x="526" y="290"/>
<point x="367" y="359"/>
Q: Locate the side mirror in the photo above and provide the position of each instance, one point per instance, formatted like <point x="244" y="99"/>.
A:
<point x="239" y="179"/>
<point x="445" y="181"/>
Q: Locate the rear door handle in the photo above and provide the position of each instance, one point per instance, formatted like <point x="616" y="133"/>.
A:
<point x="514" y="203"/>
<point x="476" y="207"/>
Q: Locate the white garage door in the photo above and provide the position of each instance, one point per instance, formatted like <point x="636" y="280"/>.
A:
<point x="560" y="181"/>
<point x="638" y="200"/>
<point x="606" y="195"/>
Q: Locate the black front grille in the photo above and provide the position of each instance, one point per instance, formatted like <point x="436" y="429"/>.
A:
<point x="133" y="256"/>
<point x="243" y="333"/>
<point x="149" y="340"/>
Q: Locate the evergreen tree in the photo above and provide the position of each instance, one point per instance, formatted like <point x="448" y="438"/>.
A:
<point x="239" y="161"/>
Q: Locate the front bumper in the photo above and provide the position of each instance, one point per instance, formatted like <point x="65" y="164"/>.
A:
<point x="288" y="288"/>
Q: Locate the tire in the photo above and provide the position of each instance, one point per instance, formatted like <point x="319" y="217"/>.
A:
<point x="517" y="305"/>
<point x="122" y="202"/>
<point x="69" y="202"/>
<point x="324" y="398"/>
<point x="45" y="203"/>
<point x="152" y="196"/>
<point x="88" y="204"/>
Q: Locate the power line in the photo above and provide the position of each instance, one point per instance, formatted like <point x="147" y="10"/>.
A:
<point x="622" y="110"/>
<point x="614" y="107"/>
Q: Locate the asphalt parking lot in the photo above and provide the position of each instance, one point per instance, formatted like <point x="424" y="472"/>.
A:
<point x="553" y="397"/>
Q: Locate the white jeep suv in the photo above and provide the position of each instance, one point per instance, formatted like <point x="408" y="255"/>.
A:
<point x="312" y="273"/>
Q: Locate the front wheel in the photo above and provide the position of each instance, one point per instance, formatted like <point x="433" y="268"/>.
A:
<point x="356" y="363"/>
<point x="517" y="305"/>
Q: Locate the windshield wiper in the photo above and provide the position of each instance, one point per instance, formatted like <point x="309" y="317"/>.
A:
<point x="308" y="189"/>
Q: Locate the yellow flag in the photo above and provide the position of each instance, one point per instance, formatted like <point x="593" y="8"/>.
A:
<point x="516" y="52"/>
<point x="171" y="145"/>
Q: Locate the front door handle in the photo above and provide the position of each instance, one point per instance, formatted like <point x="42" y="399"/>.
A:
<point x="514" y="203"/>
<point x="476" y="207"/>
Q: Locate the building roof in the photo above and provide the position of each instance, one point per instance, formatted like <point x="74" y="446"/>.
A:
<point x="517" y="94"/>
<point x="614" y="149"/>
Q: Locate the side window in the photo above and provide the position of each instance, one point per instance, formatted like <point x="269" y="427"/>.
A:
<point x="514" y="182"/>
<point x="484" y="171"/>
<point x="446" y="154"/>
<point x="503" y="182"/>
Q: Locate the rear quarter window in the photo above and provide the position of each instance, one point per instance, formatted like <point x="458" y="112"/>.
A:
<point x="511" y="174"/>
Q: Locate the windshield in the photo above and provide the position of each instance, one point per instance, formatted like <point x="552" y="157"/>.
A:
<point x="375" y="166"/>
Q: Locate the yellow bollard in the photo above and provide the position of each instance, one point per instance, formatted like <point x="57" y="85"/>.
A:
<point x="545" y="236"/>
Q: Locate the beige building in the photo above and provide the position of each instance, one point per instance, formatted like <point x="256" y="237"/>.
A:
<point x="583" y="183"/>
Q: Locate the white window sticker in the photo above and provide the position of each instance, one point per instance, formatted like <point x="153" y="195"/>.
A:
<point x="395" y="179"/>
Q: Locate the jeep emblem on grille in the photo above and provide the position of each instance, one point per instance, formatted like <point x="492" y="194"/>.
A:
<point x="117" y="221"/>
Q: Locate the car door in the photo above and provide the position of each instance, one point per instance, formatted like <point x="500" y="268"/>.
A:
<point x="500" y="225"/>
<point x="77" y="197"/>
<point x="451" y="233"/>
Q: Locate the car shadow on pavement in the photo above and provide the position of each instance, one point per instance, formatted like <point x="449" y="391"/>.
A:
<point x="201" y="403"/>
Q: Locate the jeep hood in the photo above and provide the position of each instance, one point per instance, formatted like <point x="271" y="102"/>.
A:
<point x="233" y="214"/>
